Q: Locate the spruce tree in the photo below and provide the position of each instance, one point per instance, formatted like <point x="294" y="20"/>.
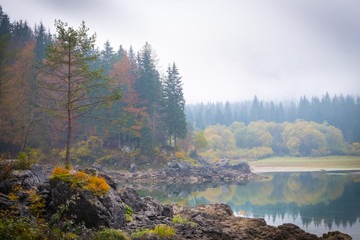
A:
<point x="174" y="104"/>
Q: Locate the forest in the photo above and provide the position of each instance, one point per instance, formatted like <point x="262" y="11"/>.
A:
<point x="106" y="105"/>
<point x="342" y="112"/>
<point x="115" y="107"/>
<point x="258" y="129"/>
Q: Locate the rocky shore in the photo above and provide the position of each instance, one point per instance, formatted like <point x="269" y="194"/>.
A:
<point x="182" y="172"/>
<point x="211" y="221"/>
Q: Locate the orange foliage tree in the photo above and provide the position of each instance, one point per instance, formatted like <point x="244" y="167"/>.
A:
<point x="18" y="113"/>
<point x="132" y="115"/>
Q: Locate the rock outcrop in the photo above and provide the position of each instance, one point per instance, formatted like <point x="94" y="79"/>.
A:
<point x="182" y="172"/>
<point x="217" y="221"/>
<point x="94" y="211"/>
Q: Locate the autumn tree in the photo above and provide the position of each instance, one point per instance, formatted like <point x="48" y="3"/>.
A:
<point x="4" y="41"/>
<point x="18" y="111"/>
<point x="130" y="115"/>
<point x="68" y="86"/>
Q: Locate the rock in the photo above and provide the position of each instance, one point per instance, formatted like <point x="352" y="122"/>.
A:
<point x="183" y="172"/>
<point x="104" y="211"/>
<point x="147" y="205"/>
<point x="133" y="167"/>
<point x="336" y="235"/>
<point x="5" y="202"/>
<point x="26" y="178"/>
<point x="242" y="167"/>
<point x="222" y="163"/>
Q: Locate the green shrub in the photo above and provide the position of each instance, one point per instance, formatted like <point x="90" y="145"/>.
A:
<point x="111" y="234"/>
<point x="181" y="220"/>
<point x="163" y="231"/>
<point x="18" y="228"/>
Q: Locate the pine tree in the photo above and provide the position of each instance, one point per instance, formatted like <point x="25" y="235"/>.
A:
<point x="67" y="84"/>
<point x="149" y="88"/>
<point x="174" y="104"/>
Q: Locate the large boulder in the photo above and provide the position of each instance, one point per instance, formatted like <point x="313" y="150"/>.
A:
<point x="83" y="206"/>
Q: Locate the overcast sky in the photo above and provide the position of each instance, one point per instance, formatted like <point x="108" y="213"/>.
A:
<point x="227" y="49"/>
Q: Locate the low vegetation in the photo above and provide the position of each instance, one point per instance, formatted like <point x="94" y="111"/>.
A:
<point x="81" y="180"/>
<point x="111" y="234"/>
<point x="181" y="220"/>
<point x="163" y="231"/>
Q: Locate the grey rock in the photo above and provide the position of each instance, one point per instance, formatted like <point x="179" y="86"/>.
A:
<point x="94" y="211"/>
<point x="133" y="167"/>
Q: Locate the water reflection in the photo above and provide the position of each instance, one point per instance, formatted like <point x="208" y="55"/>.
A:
<point x="317" y="202"/>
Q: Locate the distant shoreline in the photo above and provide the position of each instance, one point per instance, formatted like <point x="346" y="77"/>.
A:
<point x="292" y="164"/>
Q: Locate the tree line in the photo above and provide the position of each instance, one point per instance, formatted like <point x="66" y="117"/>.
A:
<point x="262" y="139"/>
<point x="60" y="89"/>
<point x="340" y="111"/>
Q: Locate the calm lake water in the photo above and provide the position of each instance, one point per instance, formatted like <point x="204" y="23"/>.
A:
<point x="316" y="202"/>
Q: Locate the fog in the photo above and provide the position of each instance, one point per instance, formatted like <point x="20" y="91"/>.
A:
<point x="227" y="50"/>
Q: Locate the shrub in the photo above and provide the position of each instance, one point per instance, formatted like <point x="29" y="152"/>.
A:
<point x="129" y="218"/>
<point x="181" y="220"/>
<point x="129" y="210"/>
<point x="18" y="228"/>
<point x="81" y="176"/>
<point x="111" y="234"/>
<point x="163" y="231"/>
<point x="60" y="171"/>
<point x="81" y="180"/>
<point x="179" y="155"/>
<point x="6" y="170"/>
<point x="97" y="186"/>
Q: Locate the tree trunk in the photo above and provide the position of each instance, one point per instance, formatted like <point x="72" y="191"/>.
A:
<point x="175" y="140"/>
<point x="68" y="105"/>
<point x="68" y="139"/>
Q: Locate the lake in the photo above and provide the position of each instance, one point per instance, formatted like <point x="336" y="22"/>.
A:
<point x="317" y="202"/>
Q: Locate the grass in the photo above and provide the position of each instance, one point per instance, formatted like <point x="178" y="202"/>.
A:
<point x="284" y="164"/>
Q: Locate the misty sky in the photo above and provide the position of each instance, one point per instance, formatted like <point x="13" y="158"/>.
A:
<point x="227" y="49"/>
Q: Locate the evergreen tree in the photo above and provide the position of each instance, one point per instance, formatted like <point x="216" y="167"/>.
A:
<point x="174" y="104"/>
<point x="42" y="41"/>
<point x="107" y="58"/>
<point x="149" y="88"/>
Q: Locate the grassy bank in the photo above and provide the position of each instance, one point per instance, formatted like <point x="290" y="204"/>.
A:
<point x="299" y="164"/>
